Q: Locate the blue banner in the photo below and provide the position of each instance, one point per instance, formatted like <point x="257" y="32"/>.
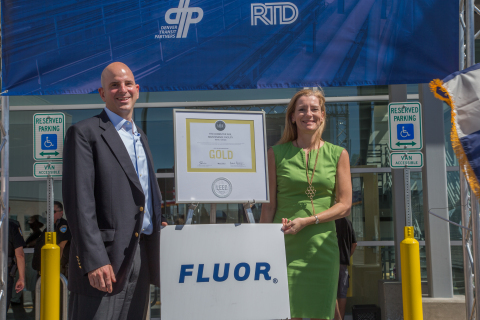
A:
<point x="61" y="47"/>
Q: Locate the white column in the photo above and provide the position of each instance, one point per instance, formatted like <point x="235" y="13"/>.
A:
<point x="434" y="178"/>
<point x="398" y="93"/>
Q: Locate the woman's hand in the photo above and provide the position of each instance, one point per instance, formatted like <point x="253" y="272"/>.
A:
<point x="293" y="226"/>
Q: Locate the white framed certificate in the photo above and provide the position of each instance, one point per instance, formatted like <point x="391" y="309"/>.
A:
<point x="220" y="156"/>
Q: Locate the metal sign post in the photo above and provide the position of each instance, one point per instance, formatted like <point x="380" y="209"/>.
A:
<point x="410" y="262"/>
<point x="48" y="138"/>
<point x="50" y="204"/>
<point x="408" y="196"/>
<point x="405" y="131"/>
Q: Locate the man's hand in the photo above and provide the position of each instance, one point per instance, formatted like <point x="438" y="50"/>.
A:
<point x="20" y="285"/>
<point x="102" y="278"/>
<point x="164" y="224"/>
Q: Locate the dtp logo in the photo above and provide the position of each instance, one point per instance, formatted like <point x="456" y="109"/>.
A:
<point x="183" y="17"/>
<point x="274" y="13"/>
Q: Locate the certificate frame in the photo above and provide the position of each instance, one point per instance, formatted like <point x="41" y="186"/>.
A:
<point x="220" y="156"/>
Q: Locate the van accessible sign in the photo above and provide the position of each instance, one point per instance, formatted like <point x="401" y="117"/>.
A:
<point x="223" y="272"/>
<point x="45" y="169"/>
<point x="406" y="160"/>
<point x="48" y="136"/>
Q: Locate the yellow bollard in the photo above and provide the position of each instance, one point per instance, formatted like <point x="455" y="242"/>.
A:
<point x="50" y="278"/>
<point x="411" y="279"/>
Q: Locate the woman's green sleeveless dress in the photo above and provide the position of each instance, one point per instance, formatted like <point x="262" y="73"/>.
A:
<point x="312" y="254"/>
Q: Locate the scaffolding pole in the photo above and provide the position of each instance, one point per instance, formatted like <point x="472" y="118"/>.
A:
<point x="467" y="263"/>
<point x="4" y="206"/>
<point x="470" y="61"/>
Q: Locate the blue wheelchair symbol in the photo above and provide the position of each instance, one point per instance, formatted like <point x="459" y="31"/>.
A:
<point x="405" y="131"/>
<point x="49" y="141"/>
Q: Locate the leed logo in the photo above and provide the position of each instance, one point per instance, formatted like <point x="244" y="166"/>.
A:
<point x="220" y="125"/>
<point x="222" y="187"/>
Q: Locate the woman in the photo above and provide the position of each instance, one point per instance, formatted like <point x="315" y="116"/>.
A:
<point x="310" y="187"/>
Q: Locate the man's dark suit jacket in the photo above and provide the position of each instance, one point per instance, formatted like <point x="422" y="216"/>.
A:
<point x="104" y="204"/>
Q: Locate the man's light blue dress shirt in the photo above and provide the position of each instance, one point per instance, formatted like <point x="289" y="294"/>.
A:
<point x="131" y="139"/>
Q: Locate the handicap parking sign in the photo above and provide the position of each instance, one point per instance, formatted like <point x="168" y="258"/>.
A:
<point x="49" y="141"/>
<point x="405" y="126"/>
<point x="405" y="131"/>
<point x="48" y="136"/>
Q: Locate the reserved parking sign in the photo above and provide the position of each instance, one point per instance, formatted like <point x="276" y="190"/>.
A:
<point x="223" y="272"/>
<point x="405" y="126"/>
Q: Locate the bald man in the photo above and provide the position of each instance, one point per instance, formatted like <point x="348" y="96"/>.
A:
<point x="113" y="205"/>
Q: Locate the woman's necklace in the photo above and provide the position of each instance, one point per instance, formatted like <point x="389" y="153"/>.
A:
<point x="310" y="192"/>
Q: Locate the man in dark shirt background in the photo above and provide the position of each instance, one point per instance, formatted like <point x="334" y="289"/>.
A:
<point x="16" y="259"/>
<point x="36" y="227"/>
<point x="347" y="242"/>
<point x="63" y="237"/>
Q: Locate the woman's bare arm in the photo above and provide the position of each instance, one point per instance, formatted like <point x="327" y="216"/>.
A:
<point x="268" y="209"/>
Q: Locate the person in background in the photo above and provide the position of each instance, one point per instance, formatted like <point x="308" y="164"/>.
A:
<point x="31" y="275"/>
<point x="306" y="174"/>
<point x="347" y="242"/>
<point x="36" y="227"/>
<point x="16" y="258"/>
<point x="62" y="233"/>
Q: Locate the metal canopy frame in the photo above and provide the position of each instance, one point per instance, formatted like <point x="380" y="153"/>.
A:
<point x="469" y="203"/>
<point x="4" y="205"/>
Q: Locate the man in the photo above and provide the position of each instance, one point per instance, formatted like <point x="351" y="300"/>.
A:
<point x="347" y="242"/>
<point x="63" y="236"/>
<point x="16" y="258"/>
<point x="36" y="231"/>
<point x="113" y="204"/>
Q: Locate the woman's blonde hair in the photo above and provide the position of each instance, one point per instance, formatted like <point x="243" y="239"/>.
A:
<point x="290" y="132"/>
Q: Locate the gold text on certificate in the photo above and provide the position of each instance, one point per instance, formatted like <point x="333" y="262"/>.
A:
<point x="220" y="154"/>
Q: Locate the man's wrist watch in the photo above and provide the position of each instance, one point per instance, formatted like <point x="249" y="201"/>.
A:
<point x="316" y="219"/>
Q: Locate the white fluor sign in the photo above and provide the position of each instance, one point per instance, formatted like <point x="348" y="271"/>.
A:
<point x="223" y="272"/>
